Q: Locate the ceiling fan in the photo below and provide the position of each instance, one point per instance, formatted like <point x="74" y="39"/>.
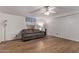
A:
<point x="46" y="10"/>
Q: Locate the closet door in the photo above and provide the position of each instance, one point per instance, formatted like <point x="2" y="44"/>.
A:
<point x="1" y="32"/>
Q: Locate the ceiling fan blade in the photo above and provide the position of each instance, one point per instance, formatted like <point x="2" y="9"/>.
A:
<point x="36" y="10"/>
<point x="51" y="7"/>
<point x="52" y="11"/>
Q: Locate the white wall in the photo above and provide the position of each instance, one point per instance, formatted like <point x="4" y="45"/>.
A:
<point x="65" y="27"/>
<point x="44" y="20"/>
<point x="14" y="25"/>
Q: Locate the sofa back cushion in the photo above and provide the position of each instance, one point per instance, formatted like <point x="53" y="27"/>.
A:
<point x="30" y="31"/>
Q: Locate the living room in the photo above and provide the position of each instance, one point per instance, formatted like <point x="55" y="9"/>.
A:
<point x="39" y="29"/>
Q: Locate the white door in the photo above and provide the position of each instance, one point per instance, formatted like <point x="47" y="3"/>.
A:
<point x="1" y="32"/>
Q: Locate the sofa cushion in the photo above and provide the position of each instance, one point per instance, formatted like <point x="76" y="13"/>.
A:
<point x="36" y="30"/>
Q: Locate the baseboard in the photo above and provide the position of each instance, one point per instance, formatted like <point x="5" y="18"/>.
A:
<point x="62" y="38"/>
<point x="8" y="41"/>
<point x="46" y="36"/>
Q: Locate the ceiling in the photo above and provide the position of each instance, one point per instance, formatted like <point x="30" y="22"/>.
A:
<point x="26" y="10"/>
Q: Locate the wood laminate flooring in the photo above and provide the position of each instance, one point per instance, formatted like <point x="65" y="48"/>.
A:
<point x="42" y="45"/>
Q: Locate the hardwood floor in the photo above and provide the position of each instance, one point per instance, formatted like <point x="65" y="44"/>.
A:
<point x="43" y="45"/>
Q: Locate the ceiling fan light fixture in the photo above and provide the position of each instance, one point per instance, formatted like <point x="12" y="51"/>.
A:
<point x="46" y="13"/>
